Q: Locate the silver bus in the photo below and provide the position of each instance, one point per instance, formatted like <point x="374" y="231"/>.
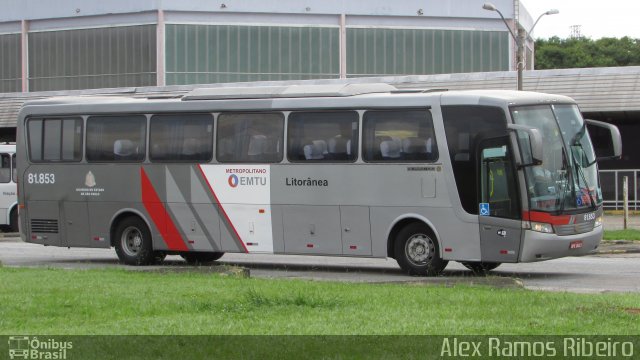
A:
<point x="424" y="177"/>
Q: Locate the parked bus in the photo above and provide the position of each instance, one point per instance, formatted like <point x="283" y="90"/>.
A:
<point x="8" y="180"/>
<point x="425" y="177"/>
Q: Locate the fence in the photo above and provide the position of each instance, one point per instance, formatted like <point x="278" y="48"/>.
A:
<point x="611" y="183"/>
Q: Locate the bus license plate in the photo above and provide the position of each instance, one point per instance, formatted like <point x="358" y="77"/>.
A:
<point x="575" y="244"/>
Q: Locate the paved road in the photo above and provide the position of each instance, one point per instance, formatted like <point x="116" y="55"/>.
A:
<point x="602" y="273"/>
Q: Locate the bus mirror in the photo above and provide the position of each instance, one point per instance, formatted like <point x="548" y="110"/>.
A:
<point x="606" y="140"/>
<point x="535" y="141"/>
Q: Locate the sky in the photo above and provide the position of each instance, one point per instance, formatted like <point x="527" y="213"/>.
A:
<point x="610" y="18"/>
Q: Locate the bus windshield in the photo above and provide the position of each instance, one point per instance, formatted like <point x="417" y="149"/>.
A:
<point x="567" y="179"/>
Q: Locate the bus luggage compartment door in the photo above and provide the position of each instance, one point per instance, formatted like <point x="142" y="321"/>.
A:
<point x="310" y="229"/>
<point x="356" y="231"/>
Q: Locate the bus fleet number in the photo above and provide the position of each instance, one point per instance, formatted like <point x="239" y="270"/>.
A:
<point x="41" y="178"/>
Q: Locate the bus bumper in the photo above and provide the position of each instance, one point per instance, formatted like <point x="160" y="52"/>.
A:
<point x="538" y="246"/>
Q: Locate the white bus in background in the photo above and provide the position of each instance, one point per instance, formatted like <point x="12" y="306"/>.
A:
<point x="8" y="187"/>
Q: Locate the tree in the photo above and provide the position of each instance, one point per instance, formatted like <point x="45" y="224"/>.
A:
<point x="556" y="53"/>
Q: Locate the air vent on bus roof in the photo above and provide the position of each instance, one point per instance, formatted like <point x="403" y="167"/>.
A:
<point x="292" y="91"/>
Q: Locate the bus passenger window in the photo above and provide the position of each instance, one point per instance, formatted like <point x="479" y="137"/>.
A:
<point x="187" y="137"/>
<point x="14" y="170"/>
<point x="399" y="136"/>
<point x="5" y="168"/>
<point x="55" y="139"/>
<point x="330" y="136"/>
<point x="250" y="137"/>
<point x="116" y="138"/>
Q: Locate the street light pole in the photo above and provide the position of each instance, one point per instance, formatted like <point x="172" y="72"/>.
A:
<point x="520" y="39"/>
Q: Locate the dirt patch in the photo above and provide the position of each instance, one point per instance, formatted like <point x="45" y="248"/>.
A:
<point x="634" y="311"/>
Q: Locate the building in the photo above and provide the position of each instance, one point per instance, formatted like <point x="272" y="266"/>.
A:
<point x="69" y="45"/>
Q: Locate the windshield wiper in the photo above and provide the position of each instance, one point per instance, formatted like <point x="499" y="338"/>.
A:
<point x="565" y="167"/>
<point x="584" y="179"/>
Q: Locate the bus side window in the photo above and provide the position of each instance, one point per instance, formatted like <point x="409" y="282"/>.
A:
<point x="5" y="169"/>
<point x="250" y="137"/>
<point x="116" y="138"/>
<point x="14" y="170"/>
<point x="186" y="137"/>
<point x="399" y="135"/>
<point x="323" y="136"/>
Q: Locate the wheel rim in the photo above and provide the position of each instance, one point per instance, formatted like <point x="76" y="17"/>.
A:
<point x="131" y="241"/>
<point x="419" y="249"/>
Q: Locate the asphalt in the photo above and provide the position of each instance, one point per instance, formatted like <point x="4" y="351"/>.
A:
<point x="611" y="222"/>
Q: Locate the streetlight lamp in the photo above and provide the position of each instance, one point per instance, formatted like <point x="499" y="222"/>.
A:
<point x="520" y="39"/>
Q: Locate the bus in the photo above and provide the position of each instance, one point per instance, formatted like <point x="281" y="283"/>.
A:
<point x="363" y="170"/>
<point x="8" y="187"/>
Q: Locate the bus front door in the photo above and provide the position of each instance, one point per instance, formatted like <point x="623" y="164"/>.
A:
<point x="499" y="210"/>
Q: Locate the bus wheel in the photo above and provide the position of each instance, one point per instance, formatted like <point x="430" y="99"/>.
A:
<point x="133" y="242"/>
<point x="480" y="267"/>
<point x="201" y="257"/>
<point x="417" y="251"/>
<point x="13" y="221"/>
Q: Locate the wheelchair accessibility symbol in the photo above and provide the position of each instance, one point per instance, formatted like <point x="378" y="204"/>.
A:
<point x="484" y="209"/>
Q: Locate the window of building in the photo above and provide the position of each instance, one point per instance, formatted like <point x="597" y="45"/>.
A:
<point x="250" y="137"/>
<point x="186" y="137"/>
<point x="55" y="139"/>
<point x="116" y="138"/>
<point x="323" y="136"/>
<point x="399" y="136"/>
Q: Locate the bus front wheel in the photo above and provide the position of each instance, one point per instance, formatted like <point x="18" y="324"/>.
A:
<point x="133" y="242"/>
<point x="417" y="251"/>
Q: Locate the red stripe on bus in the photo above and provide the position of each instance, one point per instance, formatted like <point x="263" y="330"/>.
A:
<point x="222" y="209"/>
<point x="544" y="217"/>
<point x="159" y="215"/>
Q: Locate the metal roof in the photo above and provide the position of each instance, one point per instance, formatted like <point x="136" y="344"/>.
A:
<point x="596" y="90"/>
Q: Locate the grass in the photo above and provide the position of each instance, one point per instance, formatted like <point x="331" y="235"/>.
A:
<point x="73" y="302"/>
<point x="629" y="234"/>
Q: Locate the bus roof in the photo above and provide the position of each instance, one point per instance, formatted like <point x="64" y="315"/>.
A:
<point x="324" y="93"/>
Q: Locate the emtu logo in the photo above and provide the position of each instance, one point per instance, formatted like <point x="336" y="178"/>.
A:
<point x="233" y="180"/>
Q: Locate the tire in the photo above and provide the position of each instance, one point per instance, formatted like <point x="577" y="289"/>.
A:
<point x="480" y="267"/>
<point x="13" y="221"/>
<point x="417" y="251"/>
<point x="201" y="257"/>
<point x="133" y="242"/>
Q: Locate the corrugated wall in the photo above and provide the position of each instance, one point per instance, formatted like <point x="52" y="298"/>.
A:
<point x="197" y="54"/>
<point x="374" y="52"/>
<point x="10" y="65"/>
<point x="92" y="58"/>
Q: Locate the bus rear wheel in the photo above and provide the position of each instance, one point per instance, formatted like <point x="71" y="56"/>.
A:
<point x="480" y="267"/>
<point x="417" y="251"/>
<point x="133" y="242"/>
<point x="201" y="257"/>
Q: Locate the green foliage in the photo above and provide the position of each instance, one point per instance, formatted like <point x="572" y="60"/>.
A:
<point x="629" y="234"/>
<point x="556" y="53"/>
<point x="50" y="301"/>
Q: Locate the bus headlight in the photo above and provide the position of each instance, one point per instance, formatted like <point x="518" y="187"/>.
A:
<point x="542" y="227"/>
<point x="598" y="221"/>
